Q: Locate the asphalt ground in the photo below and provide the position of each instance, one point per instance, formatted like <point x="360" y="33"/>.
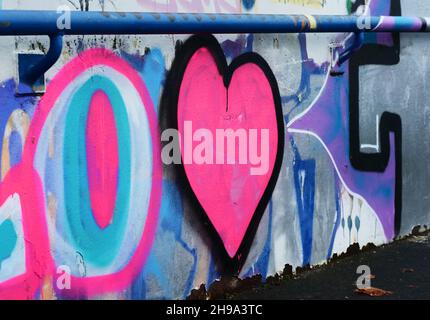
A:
<point x="400" y="270"/>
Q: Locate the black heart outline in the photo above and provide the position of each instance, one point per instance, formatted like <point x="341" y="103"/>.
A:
<point x="168" y="119"/>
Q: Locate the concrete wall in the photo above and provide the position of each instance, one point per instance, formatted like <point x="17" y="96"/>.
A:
<point x="84" y="190"/>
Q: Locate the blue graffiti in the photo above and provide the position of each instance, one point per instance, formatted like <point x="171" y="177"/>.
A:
<point x="170" y="222"/>
<point x="248" y="4"/>
<point x="304" y="183"/>
<point x="15" y="148"/>
<point x="10" y="103"/>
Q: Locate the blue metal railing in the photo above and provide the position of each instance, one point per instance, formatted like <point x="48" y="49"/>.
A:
<point x="18" y="22"/>
<point x="32" y="67"/>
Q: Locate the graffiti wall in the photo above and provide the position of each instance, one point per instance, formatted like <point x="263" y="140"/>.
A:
<point x="100" y="200"/>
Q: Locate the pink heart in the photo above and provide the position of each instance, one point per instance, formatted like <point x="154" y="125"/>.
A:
<point x="229" y="193"/>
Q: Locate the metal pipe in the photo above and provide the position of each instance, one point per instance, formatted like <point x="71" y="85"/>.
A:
<point x="21" y="22"/>
<point x="54" y="52"/>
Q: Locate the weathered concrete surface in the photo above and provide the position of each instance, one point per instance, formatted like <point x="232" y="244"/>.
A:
<point x="86" y="191"/>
